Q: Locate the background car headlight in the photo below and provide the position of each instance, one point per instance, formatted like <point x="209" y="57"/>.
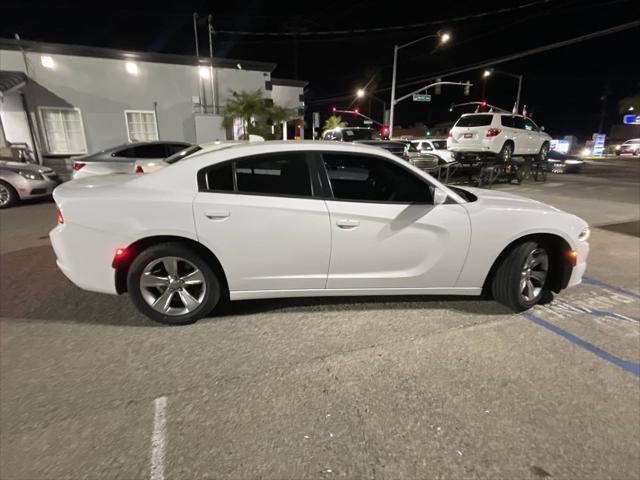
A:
<point x="30" y="175"/>
<point x="584" y="234"/>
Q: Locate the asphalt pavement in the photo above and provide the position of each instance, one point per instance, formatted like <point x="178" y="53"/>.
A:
<point x="372" y="388"/>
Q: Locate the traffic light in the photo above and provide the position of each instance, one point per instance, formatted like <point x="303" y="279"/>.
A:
<point x="467" y="88"/>
<point x="483" y="103"/>
<point x="356" y="110"/>
<point x="428" y="132"/>
<point x="385" y="131"/>
<point x="451" y="108"/>
<point x="333" y="109"/>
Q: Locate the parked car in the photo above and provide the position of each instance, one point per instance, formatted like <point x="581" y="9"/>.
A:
<point x="121" y="159"/>
<point x="22" y="181"/>
<point x="500" y="135"/>
<point x="630" y="147"/>
<point x="422" y="160"/>
<point x="292" y="219"/>
<point x="364" y="136"/>
<point x="434" y="146"/>
<point x="562" y="163"/>
<point x="148" y="166"/>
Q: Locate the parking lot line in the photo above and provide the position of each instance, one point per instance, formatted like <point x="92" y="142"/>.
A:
<point x="158" y="438"/>
<point x="631" y="367"/>
<point x="600" y="283"/>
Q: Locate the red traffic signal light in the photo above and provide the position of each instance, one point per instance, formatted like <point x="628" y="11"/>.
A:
<point x="356" y="110"/>
<point x="483" y="103"/>
<point x="333" y="109"/>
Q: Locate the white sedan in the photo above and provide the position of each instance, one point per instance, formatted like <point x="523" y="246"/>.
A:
<point x="303" y="219"/>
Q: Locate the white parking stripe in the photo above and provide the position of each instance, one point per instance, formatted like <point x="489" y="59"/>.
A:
<point x="158" y="439"/>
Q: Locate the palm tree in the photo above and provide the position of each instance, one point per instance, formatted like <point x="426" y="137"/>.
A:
<point x="278" y="115"/>
<point x="333" y="122"/>
<point x="244" y="105"/>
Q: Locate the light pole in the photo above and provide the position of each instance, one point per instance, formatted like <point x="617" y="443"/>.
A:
<point x="487" y="73"/>
<point x="444" y="38"/>
<point x="361" y="93"/>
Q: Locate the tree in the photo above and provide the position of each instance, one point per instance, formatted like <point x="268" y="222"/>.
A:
<point x="333" y="122"/>
<point x="278" y="115"/>
<point x="246" y="106"/>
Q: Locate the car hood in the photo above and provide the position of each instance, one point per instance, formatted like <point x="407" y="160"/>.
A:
<point x="495" y="199"/>
<point x="28" y="167"/>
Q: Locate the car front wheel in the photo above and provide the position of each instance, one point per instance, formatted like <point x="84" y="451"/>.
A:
<point x="8" y="195"/>
<point x="520" y="279"/>
<point x="172" y="284"/>
<point x="506" y="152"/>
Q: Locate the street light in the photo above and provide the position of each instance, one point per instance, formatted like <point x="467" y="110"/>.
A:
<point x="487" y="73"/>
<point x="360" y="93"/>
<point x="443" y="37"/>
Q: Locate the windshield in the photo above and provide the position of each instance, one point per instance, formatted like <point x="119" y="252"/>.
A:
<point x="474" y="121"/>
<point x="439" y="144"/>
<point x="350" y="134"/>
<point x="184" y="153"/>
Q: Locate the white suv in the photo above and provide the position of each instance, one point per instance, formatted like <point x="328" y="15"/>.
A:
<point x="497" y="134"/>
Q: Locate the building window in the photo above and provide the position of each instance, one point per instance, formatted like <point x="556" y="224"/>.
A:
<point x="141" y="125"/>
<point x="63" y="130"/>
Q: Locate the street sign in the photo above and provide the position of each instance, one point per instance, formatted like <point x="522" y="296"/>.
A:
<point x="631" y="119"/>
<point x="421" y="97"/>
<point x="368" y="122"/>
<point x="316" y="119"/>
<point x="598" y="144"/>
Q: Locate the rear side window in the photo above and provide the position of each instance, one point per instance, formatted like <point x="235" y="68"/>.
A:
<point x="529" y="125"/>
<point x="506" y="121"/>
<point x="280" y="174"/>
<point x="518" y="122"/>
<point x="373" y="179"/>
<point x="173" y="148"/>
<point x="285" y="174"/>
<point x="474" y="121"/>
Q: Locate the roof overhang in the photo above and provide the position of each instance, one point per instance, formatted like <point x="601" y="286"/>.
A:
<point x="11" y="81"/>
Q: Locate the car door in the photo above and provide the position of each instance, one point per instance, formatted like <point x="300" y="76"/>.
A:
<point x="258" y="215"/>
<point x="534" y="139"/>
<point x="522" y="140"/>
<point x="386" y="231"/>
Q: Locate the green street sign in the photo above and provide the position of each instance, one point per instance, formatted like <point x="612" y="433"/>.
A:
<point x="368" y="122"/>
<point x="421" y="97"/>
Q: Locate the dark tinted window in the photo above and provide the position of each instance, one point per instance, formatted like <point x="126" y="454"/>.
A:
<point x="518" y="122"/>
<point x="506" y="121"/>
<point x="125" y="153"/>
<point x="364" y="178"/>
<point x="351" y="134"/>
<point x="155" y="150"/>
<point x="185" y="152"/>
<point x="440" y="144"/>
<point x="277" y="174"/>
<point x="474" y="121"/>
<point x="220" y="178"/>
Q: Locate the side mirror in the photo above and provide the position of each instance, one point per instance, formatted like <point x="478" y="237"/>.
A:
<point x="542" y="128"/>
<point x="439" y="196"/>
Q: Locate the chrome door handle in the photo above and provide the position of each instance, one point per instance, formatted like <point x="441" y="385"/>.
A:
<point x="218" y="214"/>
<point x="347" y="224"/>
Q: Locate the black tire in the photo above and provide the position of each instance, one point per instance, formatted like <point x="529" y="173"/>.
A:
<point x="506" y="152"/>
<point x="211" y="284"/>
<point x="8" y="195"/>
<point x="543" y="153"/>
<point x="506" y="284"/>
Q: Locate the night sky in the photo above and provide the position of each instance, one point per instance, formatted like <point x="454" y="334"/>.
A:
<point x="562" y="88"/>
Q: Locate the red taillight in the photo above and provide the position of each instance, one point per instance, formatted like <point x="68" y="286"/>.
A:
<point x="493" y="132"/>
<point x="120" y="252"/>
<point x="59" y="216"/>
<point x="139" y="169"/>
<point x="78" y="165"/>
<point x="450" y="133"/>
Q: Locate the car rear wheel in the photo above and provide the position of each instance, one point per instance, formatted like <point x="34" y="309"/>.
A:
<point x="520" y="279"/>
<point x="506" y="152"/>
<point x="172" y="284"/>
<point x="8" y="195"/>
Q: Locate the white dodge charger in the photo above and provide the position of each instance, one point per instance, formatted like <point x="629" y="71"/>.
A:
<point x="302" y="219"/>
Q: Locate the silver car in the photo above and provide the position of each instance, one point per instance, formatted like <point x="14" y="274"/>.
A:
<point x="22" y="181"/>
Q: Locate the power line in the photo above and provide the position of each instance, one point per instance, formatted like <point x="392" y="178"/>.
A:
<point x="504" y="59"/>
<point x="387" y="29"/>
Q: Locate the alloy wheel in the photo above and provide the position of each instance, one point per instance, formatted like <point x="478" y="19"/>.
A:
<point x="173" y="286"/>
<point x="534" y="274"/>
<point x="5" y="195"/>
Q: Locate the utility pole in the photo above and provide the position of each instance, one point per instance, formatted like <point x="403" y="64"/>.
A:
<point x="195" y="35"/>
<point x="214" y="90"/>
<point x="603" y="111"/>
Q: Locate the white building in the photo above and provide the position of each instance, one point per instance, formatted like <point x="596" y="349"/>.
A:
<point x="66" y="100"/>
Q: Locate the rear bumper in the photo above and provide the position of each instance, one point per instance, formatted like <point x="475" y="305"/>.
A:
<point x="84" y="257"/>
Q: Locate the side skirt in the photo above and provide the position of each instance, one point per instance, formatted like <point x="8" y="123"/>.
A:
<point x="354" y="292"/>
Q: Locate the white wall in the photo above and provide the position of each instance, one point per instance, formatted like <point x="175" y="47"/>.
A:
<point x="287" y="97"/>
<point x="102" y="89"/>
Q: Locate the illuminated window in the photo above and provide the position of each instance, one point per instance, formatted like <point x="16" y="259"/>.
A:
<point x="141" y="125"/>
<point x="63" y="130"/>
